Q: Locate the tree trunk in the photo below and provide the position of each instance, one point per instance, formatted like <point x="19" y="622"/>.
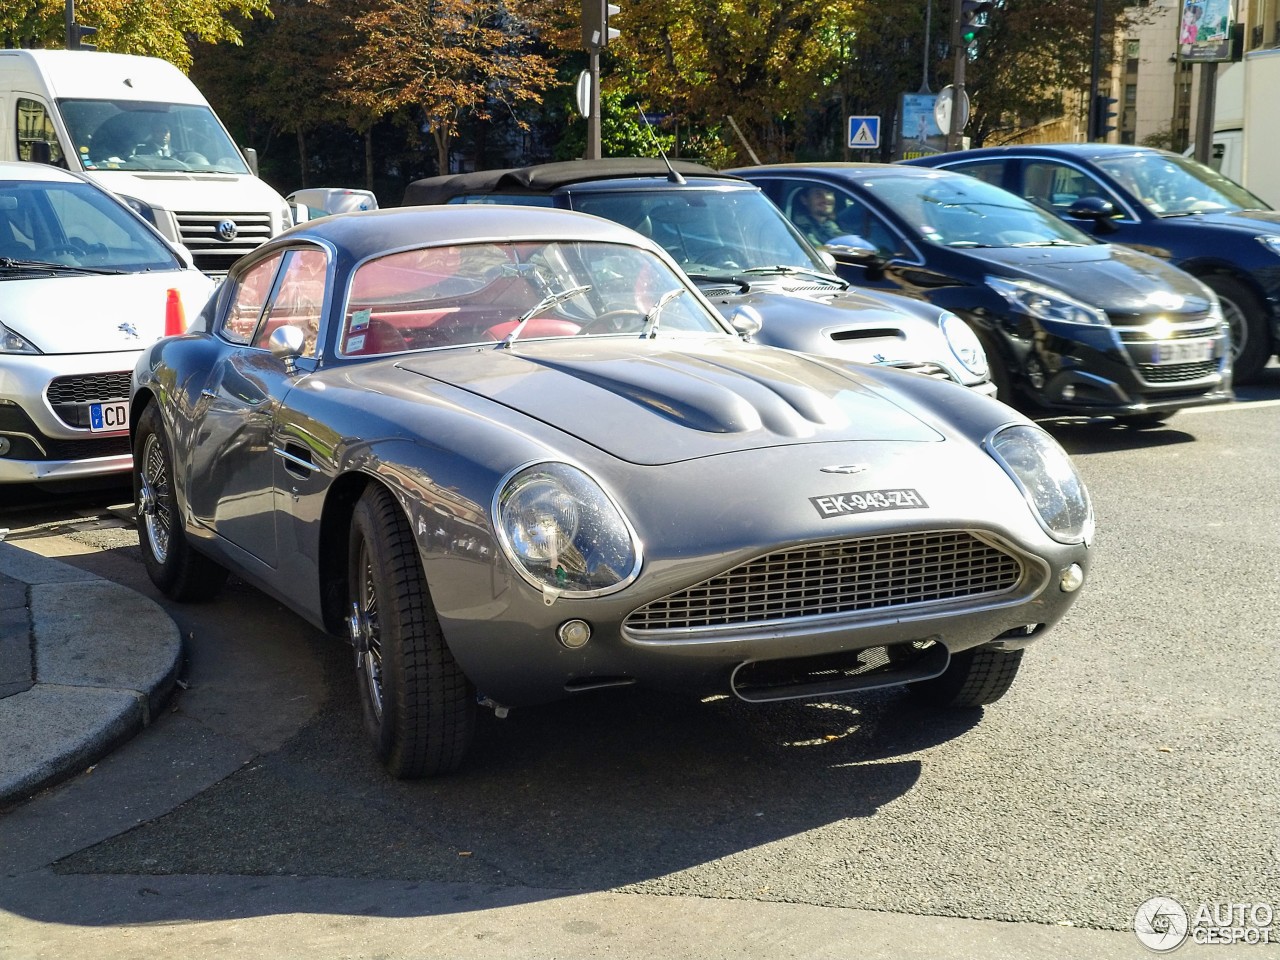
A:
<point x="302" y="156"/>
<point x="441" y="137"/>
<point x="368" y="158"/>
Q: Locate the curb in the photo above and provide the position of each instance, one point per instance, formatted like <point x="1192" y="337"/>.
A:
<point x="86" y="664"/>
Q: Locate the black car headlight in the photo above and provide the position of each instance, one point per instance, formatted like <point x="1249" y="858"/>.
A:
<point x="563" y="533"/>
<point x="1047" y="303"/>
<point x="1047" y="478"/>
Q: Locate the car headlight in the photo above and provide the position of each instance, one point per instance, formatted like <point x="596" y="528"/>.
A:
<point x="11" y="342"/>
<point x="563" y="533"/>
<point x="1047" y="478"/>
<point x="1271" y="242"/>
<point x="163" y="220"/>
<point x="142" y="209"/>
<point x="964" y="344"/>
<point x="1046" y="303"/>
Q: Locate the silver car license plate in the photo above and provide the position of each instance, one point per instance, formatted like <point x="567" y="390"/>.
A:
<point x="1183" y="351"/>
<point x="108" y="417"/>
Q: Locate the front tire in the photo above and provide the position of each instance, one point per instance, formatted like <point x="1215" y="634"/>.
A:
<point x="179" y="571"/>
<point x="974" y="678"/>
<point x="419" y="707"/>
<point x="1250" y="330"/>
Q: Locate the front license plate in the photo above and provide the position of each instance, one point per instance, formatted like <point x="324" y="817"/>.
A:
<point x="1183" y="351"/>
<point x="108" y="417"/>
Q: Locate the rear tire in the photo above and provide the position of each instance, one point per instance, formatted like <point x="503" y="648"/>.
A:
<point x="179" y="571"/>
<point x="419" y="708"/>
<point x="1250" y="329"/>
<point x="973" y="679"/>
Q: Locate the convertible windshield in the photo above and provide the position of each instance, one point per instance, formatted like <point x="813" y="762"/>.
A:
<point x="493" y="293"/>
<point x="952" y="210"/>
<point x="708" y="232"/>
<point x="141" y="135"/>
<point x="1176" y="186"/>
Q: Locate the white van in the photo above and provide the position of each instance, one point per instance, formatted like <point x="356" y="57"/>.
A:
<point x="141" y="129"/>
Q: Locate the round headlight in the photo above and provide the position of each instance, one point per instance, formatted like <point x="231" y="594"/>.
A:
<point x="563" y="533"/>
<point x="964" y="344"/>
<point x="1047" y="478"/>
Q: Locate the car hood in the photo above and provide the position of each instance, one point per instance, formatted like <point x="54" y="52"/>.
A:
<point x="868" y="328"/>
<point x="97" y="314"/>
<point x="1115" y="278"/>
<point x="181" y="191"/>
<point x="656" y="401"/>
<point x="1245" y="221"/>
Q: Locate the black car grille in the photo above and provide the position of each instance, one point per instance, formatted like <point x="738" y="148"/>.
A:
<point x="1140" y="335"/>
<point x="842" y="576"/>
<point x="70" y="396"/>
<point x="213" y="255"/>
<point x="1178" y="372"/>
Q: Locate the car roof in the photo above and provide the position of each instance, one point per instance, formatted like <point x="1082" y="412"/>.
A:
<point x="27" y="170"/>
<point x="366" y="233"/>
<point x="544" y="178"/>
<point x="842" y="170"/>
<point x="1087" y="151"/>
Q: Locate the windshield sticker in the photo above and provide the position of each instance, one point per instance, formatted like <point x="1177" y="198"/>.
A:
<point x="359" y="320"/>
<point x="867" y="501"/>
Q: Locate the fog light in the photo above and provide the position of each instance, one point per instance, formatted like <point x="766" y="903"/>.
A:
<point x="5" y="446"/>
<point x="1072" y="578"/>
<point x="574" y="633"/>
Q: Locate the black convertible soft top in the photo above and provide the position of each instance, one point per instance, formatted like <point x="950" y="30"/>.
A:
<point x="543" y="178"/>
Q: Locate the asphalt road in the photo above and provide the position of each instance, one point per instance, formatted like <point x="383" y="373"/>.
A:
<point x="1134" y="757"/>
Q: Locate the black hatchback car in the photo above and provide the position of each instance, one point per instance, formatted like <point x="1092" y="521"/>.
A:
<point x="1071" y="326"/>
<point x="1164" y="204"/>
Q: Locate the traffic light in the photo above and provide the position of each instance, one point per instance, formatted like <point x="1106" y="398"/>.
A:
<point x="79" y="32"/>
<point x="596" y="32"/>
<point x="1102" y="112"/>
<point x="973" y="17"/>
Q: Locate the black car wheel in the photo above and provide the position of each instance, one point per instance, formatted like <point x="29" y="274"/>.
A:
<point x="1250" y="332"/>
<point x="178" y="570"/>
<point x="973" y="678"/>
<point x="419" y="708"/>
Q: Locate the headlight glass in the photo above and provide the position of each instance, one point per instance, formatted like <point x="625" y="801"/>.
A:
<point x="1271" y="242"/>
<point x="1047" y="478"/>
<point x="964" y="344"/>
<point x="563" y="533"/>
<point x="142" y="209"/>
<point x="1046" y="303"/>
<point x="11" y="342"/>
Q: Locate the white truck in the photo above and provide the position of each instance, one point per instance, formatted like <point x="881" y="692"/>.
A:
<point x="141" y="129"/>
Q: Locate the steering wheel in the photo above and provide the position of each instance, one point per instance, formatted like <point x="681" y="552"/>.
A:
<point x="72" y="247"/>
<point x="612" y="321"/>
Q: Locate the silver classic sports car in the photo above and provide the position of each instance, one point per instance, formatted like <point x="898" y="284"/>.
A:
<point x="514" y="454"/>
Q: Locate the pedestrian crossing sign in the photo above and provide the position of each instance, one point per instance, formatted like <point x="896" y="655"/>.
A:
<point x="864" y="133"/>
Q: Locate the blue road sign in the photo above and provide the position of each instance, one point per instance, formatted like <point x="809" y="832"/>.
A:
<point x="864" y="133"/>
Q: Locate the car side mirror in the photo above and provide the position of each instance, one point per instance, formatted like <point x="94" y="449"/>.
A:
<point x="746" y="321"/>
<point x="1097" y="209"/>
<point x="852" y="247"/>
<point x="285" y="344"/>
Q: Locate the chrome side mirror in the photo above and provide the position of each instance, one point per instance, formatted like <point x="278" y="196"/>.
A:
<point x="746" y="320"/>
<point x="285" y="344"/>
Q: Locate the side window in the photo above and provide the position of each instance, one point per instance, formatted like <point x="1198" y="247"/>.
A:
<point x="857" y="218"/>
<point x="299" y="298"/>
<point x="1056" y="186"/>
<point x="247" y="301"/>
<point x="37" y="139"/>
<point x="990" y="171"/>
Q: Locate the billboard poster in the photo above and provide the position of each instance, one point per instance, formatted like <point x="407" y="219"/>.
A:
<point x="1204" y="33"/>
<point x="919" y="134"/>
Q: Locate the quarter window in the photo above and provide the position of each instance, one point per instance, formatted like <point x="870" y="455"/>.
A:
<point x="247" y="302"/>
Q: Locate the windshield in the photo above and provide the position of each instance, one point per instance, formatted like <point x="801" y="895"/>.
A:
<point x="952" y="210"/>
<point x="708" y="232"/>
<point x="140" y="135"/>
<point x="493" y="293"/>
<point x="1169" y="185"/>
<point x="76" y="225"/>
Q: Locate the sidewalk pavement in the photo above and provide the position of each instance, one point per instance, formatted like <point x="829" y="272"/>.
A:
<point x="84" y="665"/>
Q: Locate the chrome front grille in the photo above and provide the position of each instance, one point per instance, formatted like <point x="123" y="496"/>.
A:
<point x="214" y="255"/>
<point x="842" y="576"/>
<point x="1178" y="372"/>
<point x="1143" y="335"/>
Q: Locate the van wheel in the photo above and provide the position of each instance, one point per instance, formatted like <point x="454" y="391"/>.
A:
<point x="1250" y="331"/>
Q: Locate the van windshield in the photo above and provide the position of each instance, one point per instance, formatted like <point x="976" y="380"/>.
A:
<point x="141" y="135"/>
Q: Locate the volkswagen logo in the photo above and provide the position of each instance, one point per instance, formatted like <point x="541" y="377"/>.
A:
<point x="226" y="230"/>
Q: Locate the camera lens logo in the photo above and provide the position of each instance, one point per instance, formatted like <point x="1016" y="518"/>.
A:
<point x="1161" y="924"/>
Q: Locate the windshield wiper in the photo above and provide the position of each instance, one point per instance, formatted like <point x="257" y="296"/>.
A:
<point x="783" y="269"/>
<point x="43" y="266"/>
<point x="1047" y="243"/>
<point x="651" y="318"/>
<point x="743" y="285"/>
<point x="550" y="300"/>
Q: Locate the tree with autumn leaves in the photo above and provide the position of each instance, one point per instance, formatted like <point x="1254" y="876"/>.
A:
<point x="493" y="78"/>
